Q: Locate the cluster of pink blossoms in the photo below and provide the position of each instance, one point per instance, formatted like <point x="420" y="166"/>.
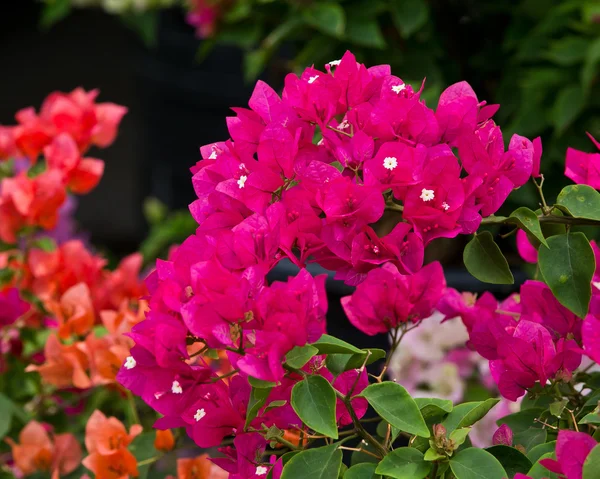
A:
<point x="305" y="177"/>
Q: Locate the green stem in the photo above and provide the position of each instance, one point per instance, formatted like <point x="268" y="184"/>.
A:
<point x="134" y="412"/>
<point x="148" y="461"/>
<point x="287" y="443"/>
<point x="359" y="427"/>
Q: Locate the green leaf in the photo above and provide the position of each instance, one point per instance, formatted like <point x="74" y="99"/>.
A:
<point x="329" y="345"/>
<point x="300" y="355"/>
<point x="145" y="24"/>
<point x="314" y="401"/>
<point x="404" y="463"/>
<point x="338" y="363"/>
<point x="284" y="460"/>
<point x="409" y="15"/>
<point x="568" y="265"/>
<point x="393" y="403"/>
<point x="319" y="463"/>
<point x="530" y="438"/>
<point x="258" y="397"/>
<point x="362" y="471"/>
<point x="484" y="260"/>
<point x="433" y="408"/>
<point x="259" y="383"/>
<point x="568" y="51"/>
<point x="54" y="11"/>
<point x="6" y="406"/>
<point x="591" y="418"/>
<point x="591" y="465"/>
<point x="511" y="459"/>
<point x="580" y="201"/>
<point x="326" y="17"/>
<point x="528" y="221"/>
<point x="590" y="65"/>
<point x="522" y="420"/>
<point x="459" y="435"/>
<point x="255" y="62"/>
<point x="540" y="472"/>
<point x="467" y="414"/>
<point x="432" y="455"/>
<point x="45" y="244"/>
<point x="365" y="32"/>
<point x="567" y="107"/>
<point x="274" y="404"/>
<point x="557" y="407"/>
<point x="6" y="275"/>
<point x="142" y="448"/>
<point x="540" y="450"/>
<point x="473" y="463"/>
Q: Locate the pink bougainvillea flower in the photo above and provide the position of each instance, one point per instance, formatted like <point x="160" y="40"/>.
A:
<point x="590" y="333"/>
<point x="387" y="299"/>
<point x="583" y="168"/>
<point x="244" y="459"/>
<point x="539" y="305"/>
<point x="526" y="250"/>
<point x="572" y="449"/>
<point x="8" y="147"/>
<point x="12" y="307"/>
<point x="503" y="436"/>
<point x="457" y="111"/>
<point x="434" y="206"/>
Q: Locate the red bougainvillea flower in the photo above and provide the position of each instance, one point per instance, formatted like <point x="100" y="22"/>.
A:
<point x="572" y="448"/>
<point x="387" y="299"/>
<point x="38" y="452"/>
<point x="28" y="201"/>
<point x="76" y="114"/>
<point x="584" y="168"/>
<point x="81" y="175"/>
<point x="8" y="147"/>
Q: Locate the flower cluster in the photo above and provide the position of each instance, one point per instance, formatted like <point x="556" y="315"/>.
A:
<point x="307" y="176"/>
<point x="64" y="129"/>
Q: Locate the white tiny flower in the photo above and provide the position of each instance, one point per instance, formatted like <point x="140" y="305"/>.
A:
<point x="446" y="206"/>
<point x="390" y="162"/>
<point x="200" y="413"/>
<point x="312" y="79"/>
<point x="130" y="362"/>
<point x="343" y="125"/>
<point x="213" y="155"/>
<point x="261" y="470"/>
<point x="242" y="166"/>
<point x="596" y="284"/>
<point x="335" y="63"/>
<point x="176" y="388"/>
<point x="398" y="88"/>
<point x="242" y="181"/>
<point x="427" y="195"/>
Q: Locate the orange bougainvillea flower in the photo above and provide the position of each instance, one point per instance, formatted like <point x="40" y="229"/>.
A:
<point x="65" y="366"/>
<point x="194" y="468"/>
<point x="106" y="440"/>
<point x="120" y="464"/>
<point x="164" y="440"/>
<point x="74" y="311"/>
<point x="36" y="451"/>
<point x="107" y="435"/>
<point x="106" y="356"/>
